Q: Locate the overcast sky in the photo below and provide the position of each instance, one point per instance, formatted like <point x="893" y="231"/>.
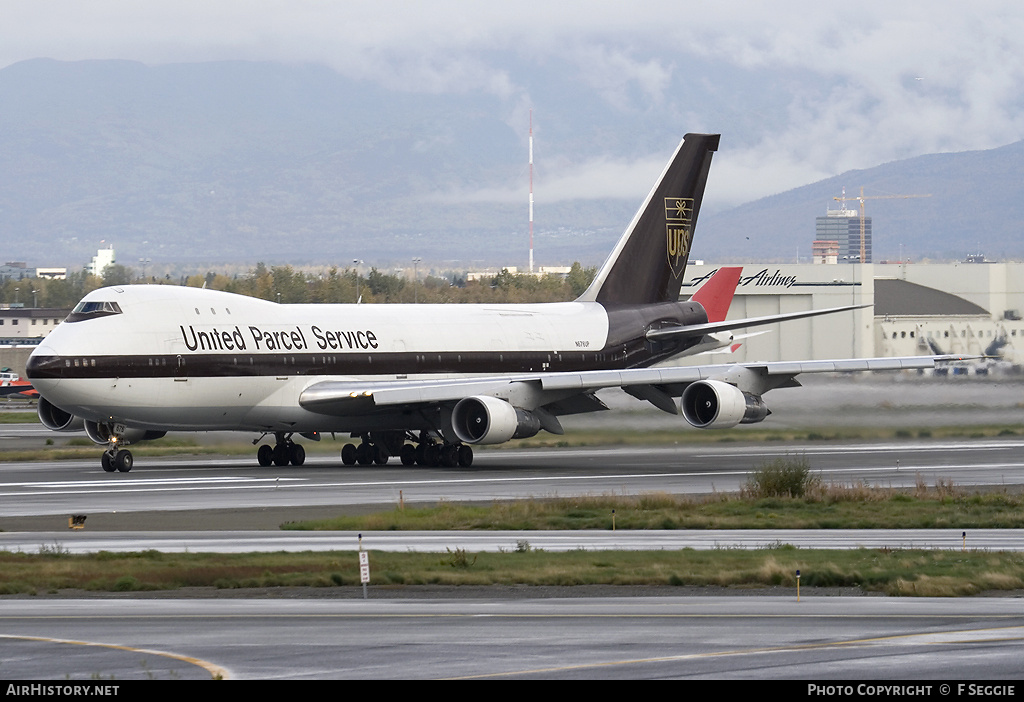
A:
<point x="858" y="84"/>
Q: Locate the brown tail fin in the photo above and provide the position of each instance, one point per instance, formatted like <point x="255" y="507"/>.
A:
<point x="648" y="262"/>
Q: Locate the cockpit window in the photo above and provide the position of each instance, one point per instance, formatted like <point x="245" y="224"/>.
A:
<point x="94" y="306"/>
<point x="91" y="309"/>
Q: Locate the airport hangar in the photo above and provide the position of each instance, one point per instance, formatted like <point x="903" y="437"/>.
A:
<point x="916" y="309"/>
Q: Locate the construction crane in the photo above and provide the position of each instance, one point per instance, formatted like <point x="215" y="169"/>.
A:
<point x="861" y="199"/>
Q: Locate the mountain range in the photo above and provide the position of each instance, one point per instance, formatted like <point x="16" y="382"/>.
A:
<point x="238" y="162"/>
<point x="975" y="205"/>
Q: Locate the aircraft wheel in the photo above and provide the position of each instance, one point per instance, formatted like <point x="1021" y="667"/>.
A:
<point x="364" y="454"/>
<point x="408" y="455"/>
<point x="298" y="455"/>
<point x="465" y="456"/>
<point x="265" y="455"/>
<point x="349" y="454"/>
<point x="450" y="456"/>
<point x="281" y="455"/>
<point x="380" y="455"/>
<point x="124" y="460"/>
<point x="433" y="455"/>
<point x="107" y="462"/>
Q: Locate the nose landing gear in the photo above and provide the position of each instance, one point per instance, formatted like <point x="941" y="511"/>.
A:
<point x="117" y="459"/>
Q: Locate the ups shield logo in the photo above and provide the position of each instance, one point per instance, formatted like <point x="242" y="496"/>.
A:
<point x="678" y="232"/>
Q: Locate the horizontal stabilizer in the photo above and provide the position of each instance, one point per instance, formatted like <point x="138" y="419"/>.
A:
<point x="712" y="327"/>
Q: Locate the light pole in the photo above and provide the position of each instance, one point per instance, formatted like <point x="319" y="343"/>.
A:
<point x="356" y="262"/>
<point x="144" y="261"/>
<point x="416" y="280"/>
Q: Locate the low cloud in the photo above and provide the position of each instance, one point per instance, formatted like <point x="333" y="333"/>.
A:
<point x="883" y="82"/>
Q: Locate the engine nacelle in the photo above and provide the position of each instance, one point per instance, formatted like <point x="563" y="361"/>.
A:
<point x="56" y="419"/>
<point x="100" y="434"/>
<point x="488" y="420"/>
<point x="708" y="403"/>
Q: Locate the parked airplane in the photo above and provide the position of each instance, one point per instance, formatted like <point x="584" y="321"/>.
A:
<point x="424" y="382"/>
<point x="715" y="296"/>
<point x="13" y="384"/>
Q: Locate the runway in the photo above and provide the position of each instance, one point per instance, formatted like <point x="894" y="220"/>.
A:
<point x="199" y="484"/>
<point x="40" y="496"/>
<point x="763" y="638"/>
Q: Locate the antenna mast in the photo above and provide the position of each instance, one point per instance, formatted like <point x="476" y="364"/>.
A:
<point x="531" y="192"/>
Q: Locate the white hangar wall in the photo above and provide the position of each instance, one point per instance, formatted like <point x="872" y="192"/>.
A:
<point x="998" y="287"/>
<point x="774" y="288"/>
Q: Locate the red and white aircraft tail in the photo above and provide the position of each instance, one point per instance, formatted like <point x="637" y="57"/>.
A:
<point x="715" y="296"/>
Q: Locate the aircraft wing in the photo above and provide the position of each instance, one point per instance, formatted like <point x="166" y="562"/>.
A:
<point x="353" y="397"/>
<point x="712" y="327"/>
<point x="595" y="380"/>
<point x="656" y="384"/>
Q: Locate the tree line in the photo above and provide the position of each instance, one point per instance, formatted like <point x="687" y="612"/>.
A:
<point x="287" y="285"/>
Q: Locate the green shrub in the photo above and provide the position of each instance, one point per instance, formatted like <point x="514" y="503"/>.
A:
<point x="780" y="477"/>
<point x="127" y="583"/>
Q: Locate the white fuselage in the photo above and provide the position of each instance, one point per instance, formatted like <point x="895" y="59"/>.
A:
<point x="187" y="359"/>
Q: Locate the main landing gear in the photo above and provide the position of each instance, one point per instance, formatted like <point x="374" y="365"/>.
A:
<point x="375" y="448"/>
<point x="364" y="454"/>
<point x="424" y="452"/>
<point x="283" y="452"/>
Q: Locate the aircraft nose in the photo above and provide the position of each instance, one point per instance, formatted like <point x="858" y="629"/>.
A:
<point x="44" y="365"/>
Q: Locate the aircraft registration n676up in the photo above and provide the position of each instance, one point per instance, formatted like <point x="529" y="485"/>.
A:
<point x="422" y="382"/>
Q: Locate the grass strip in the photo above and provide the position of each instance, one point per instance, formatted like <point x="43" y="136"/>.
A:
<point x="889" y="571"/>
<point x="830" y="507"/>
<point x="18" y="417"/>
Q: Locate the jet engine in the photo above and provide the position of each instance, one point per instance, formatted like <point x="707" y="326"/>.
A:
<point x="488" y="420"/>
<point x="712" y="403"/>
<point x="56" y="419"/>
<point x="100" y="434"/>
